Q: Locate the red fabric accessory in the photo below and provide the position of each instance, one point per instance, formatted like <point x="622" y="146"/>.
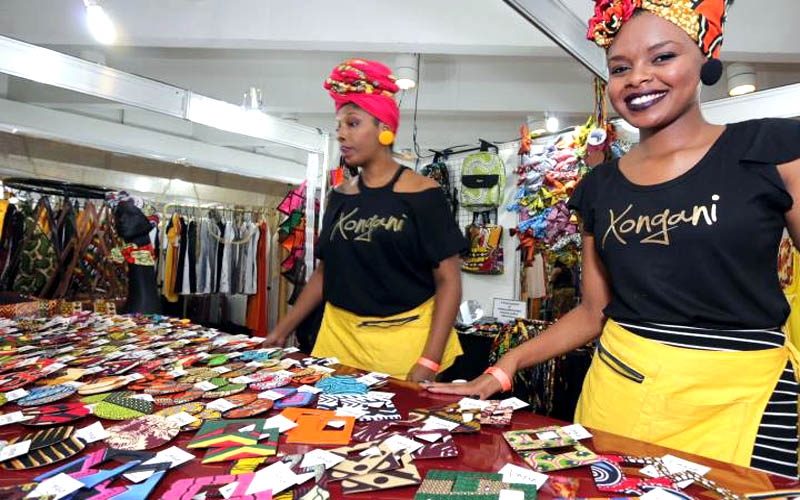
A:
<point x="702" y="20"/>
<point x="501" y="376"/>
<point x="427" y="363"/>
<point x="369" y="85"/>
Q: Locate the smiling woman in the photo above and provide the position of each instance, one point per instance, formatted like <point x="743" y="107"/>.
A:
<point x="689" y="312"/>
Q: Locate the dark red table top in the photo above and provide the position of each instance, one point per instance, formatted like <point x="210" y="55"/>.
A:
<point x="485" y="452"/>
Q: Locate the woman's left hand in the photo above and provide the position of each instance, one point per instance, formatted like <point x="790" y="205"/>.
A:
<point x="421" y="374"/>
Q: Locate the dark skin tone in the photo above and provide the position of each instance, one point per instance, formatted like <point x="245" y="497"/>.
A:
<point x="652" y="57"/>
<point x="357" y="133"/>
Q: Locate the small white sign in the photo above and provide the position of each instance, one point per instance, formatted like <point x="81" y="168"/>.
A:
<point x="320" y="457"/>
<point x="506" y="310"/>
<point x="144" y="397"/>
<point x="472" y="404"/>
<point x="221" y="405"/>
<point x="577" y="431"/>
<point x="511" y="495"/>
<point x="221" y="369"/>
<point x="16" y="394"/>
<point x="244" y="379"/>
<point x="308" y="388"/>
<point x="174" y="455"/>
<point x="182" y="418"/>
<point x="178" y="372"/>
<point x="205" y="386"/>
<point x="15" y="450"/>
<point x="516" y="474"/>
<point x="56" y="487"/>
<point x="279" y="422"/>
<point x="398" y="442"/>
<point x="270" y="394"/>
<point x="92" y="433"/>
<point x="514" y="403"/>
<point x="436" y="423"/>
<point x="351" y="411"/>
<point x="12" y="418"/>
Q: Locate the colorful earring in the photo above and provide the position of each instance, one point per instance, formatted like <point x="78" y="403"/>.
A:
<point x="386" y="138"/>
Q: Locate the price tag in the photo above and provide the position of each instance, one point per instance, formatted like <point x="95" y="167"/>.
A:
<point x="144" y="397"/>
<point x="255" y="364"/>
<point x="398" y="443"/>
<point x="177" y="373"/>
<point x="174" y="455"/>
<point x="514" y="403"/>
<point x="133" y="377"/>
<point x="472" y="404"/>
<point x="291" y="350"/>
<point x="221" y="405"/>
<point x="12" y="418"/>
<point x="516" y="474"/>
<point x="182" y="418"/>
<point x="15" y="450"/>
<point x="221" y="369"/>
<point x="16" y="394"/>
<point x="56" y="487"/>
<point x="53" y="368"/>
<point x="205" y="386"/>
<point x="92" y="433"/>
<point x="273" y="395"/>
<point x="321" y="457"/>
<point x="244" y="379"/>
<point x="576" y="431"/>
<point x="279" y="422"/>
<point x="308" y="388"/>
<point x="66" y="359"/>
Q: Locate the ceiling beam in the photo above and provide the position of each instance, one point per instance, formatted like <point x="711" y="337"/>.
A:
<point x="563" y="27"/>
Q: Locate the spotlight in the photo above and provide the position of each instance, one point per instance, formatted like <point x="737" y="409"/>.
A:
<point x="741" y="79"/>
<point x="253" y="99"/>
<point x="405" y="69"/>
<point x="100" y="25"/>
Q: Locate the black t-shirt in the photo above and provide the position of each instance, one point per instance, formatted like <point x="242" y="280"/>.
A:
<point x="380" y="248"/>
<point x="700" y="249"/>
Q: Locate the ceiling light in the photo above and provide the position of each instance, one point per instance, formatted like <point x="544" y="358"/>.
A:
<point x="551" y="124"/>
<point x="741" y="79"/>
<point x="100" y="25"/>
<point x="405" y="69"/>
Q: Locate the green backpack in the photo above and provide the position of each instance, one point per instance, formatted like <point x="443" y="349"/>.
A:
<point x="483" y="179"/>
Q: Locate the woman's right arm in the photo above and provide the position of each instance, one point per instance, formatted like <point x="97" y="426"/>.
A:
<point x="574" y="330"/>
<point x="310" y="297"/>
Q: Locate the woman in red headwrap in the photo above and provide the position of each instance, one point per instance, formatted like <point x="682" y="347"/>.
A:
<point x="389" y="248"/>
<point x="680" y="238"/>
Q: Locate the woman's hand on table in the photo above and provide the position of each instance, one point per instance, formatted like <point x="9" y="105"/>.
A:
<point x="274" y="339"/>
<point x="483" y="387"/>
<point x="421" y="374"/>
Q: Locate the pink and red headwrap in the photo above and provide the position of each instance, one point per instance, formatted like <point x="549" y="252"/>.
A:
<point x="369" y="85"/>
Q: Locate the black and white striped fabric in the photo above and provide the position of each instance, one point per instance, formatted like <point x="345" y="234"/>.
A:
<point x="775" y="450"/>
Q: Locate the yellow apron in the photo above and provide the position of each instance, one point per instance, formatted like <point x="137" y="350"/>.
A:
<point x="709" y="403"/>
<point x="388" y="345"/>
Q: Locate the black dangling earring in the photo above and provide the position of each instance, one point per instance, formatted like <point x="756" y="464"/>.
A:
<point x="711" y="72"/>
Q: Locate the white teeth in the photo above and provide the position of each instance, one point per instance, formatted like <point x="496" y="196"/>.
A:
<point x="646" y="98"/>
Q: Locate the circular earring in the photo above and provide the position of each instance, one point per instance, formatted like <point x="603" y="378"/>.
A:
<point x="711" y="72"/>
<point x="386" y="138"/>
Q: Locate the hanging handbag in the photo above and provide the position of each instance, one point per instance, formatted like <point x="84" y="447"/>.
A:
<point x="483" y="179"/>
<point x="485" y="253"/>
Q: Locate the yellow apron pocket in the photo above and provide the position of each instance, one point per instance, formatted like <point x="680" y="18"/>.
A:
<point x="696" y="428"/>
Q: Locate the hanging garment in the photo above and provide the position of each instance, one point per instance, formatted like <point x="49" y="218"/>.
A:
<point x="181" y="257"/>
<point x="535" y="281"/>
<point x="38" y="258"/>
<point x="206" y="262"/>
<point x="250" y="275"/>
<point x="171" y="259"/>
<point x="192" y="257"/>
<point x="391" y="344"/>
<point x="709" y="403"/>
<point x="273" y="288"/>
<point x="228" y="253"/>
<point x="220" y="227"/>
<point x="257" y="304"/>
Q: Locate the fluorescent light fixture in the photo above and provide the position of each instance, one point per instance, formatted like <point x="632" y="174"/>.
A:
<point x="741" y="79"/>
<point x="253" y="99"/>
<point x="551" y="124"/>
<point x="100" y="25"/>
<point x="405" y="69"/>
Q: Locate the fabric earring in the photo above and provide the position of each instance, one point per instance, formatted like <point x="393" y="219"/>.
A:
<point x="711" y="72"/>
<point x="386" y="138"/>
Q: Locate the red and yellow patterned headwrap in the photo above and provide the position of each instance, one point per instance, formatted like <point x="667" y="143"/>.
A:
<point x="703" y="20"/>
<point x="369" y="85"/>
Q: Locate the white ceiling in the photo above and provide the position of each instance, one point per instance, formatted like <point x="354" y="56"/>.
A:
<point x="484" y="69"/>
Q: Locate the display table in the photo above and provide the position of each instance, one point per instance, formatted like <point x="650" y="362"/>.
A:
<point x="486" y="451"/>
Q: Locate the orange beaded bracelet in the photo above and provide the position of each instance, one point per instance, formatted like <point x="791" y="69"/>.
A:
<point x="501" y="376"/>
<point x="427" y="363"/>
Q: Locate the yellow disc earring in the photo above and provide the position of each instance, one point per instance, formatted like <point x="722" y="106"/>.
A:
<point x="386" y="138"/>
